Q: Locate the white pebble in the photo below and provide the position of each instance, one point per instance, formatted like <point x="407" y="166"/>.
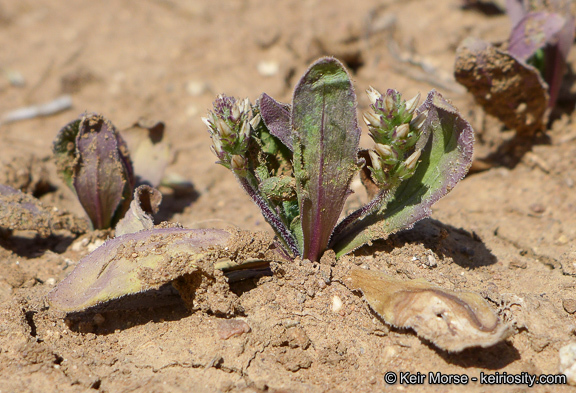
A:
<point x="268" y="68"/>
<point x="195" y="88"/>
<point x="336" y="303"/>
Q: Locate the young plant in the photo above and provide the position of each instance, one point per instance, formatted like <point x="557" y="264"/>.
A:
<point x="519" y="82"/>
<point x="297" y="161"/>
<point x="93" y="160"/>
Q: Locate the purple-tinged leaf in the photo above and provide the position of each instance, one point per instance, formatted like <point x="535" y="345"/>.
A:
<point x="325" y="137"/>
<point x="555" y="60"/>
<point x="515" y="10"/>
<point x="136" y="262"/>
<point x="145" y="203"/>
<point x="276" y="117"/>
<point x="103" y="174"/>
<point x="446" y="144"/>
<point x="533" y="32"/>
<point x="551" y="32"/>
<point x="507" y="88"/>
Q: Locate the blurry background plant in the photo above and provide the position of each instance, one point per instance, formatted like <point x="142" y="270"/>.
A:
<point x="518" y="82"/>
<point x="94" y="161"/>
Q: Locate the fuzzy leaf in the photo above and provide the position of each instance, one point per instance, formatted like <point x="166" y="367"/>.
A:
<point x="145" y="203"/>
<point x="446" y="144"/>
<point x="325" y="137"/>
<point x="533" y="32"/>
<point x="506" y="87"/>
<point x="103" y="173"/>
<point x="451" y="320"/>
<point x="276" y="117"/>
<point x="134" y="263"/>
<point x="551" y="32"/>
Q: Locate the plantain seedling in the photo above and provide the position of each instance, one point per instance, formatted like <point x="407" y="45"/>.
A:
<point x="519" y="82"/>
<point x="297" y="161"/>
<point x="93" y="160"/>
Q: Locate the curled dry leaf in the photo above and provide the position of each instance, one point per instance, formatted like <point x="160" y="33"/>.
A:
<point x="146" y="202"/>
<point x="451" y="320"/>
<point x="149" y="150"/>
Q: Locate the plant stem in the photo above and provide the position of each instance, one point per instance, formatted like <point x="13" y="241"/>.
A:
<point x="270" y="216"/>
<point x="342" y="227"/>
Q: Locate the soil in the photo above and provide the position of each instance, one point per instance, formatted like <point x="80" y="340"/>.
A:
<point x="506" y="232"/>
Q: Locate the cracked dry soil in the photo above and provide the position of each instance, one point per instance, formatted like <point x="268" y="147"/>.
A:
<point x="507" y="233"/>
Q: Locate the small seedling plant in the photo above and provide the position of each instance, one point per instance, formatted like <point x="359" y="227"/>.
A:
<point x="296" y="161"/>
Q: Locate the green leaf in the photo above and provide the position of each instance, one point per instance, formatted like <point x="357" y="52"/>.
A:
<point x="325" y="136"/>
<point x="446" y="145"/>
<point x="64" y="149"/>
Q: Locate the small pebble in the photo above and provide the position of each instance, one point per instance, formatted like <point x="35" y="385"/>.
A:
<point x="232" y="327"/>
<point x="432" y="260"/>
<point x="51" y="281"/>
<point x="569" y="305"/>
<point x="98" y="319"/>
<point x="268" y="68"/>
<point x="195" y="88"/>
<point x="336" y="303"/>
<point x="537" y="208"/>
<point x="518" y="264"/>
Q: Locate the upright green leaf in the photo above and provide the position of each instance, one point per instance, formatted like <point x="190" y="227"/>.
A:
<point x="325" y="138"/>
<point x="446" y="145"/>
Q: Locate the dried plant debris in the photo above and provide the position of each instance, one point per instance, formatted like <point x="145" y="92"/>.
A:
<point x="451" y="320"/>
<point x="508" y="89"/>
<point x="139" y="217"/>
<point x="20" y="211"/>
<point x="519" y="82"/>
<point x="149" y="150"/>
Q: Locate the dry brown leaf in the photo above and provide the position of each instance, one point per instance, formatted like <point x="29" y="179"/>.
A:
<point x="451" y="320"/>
